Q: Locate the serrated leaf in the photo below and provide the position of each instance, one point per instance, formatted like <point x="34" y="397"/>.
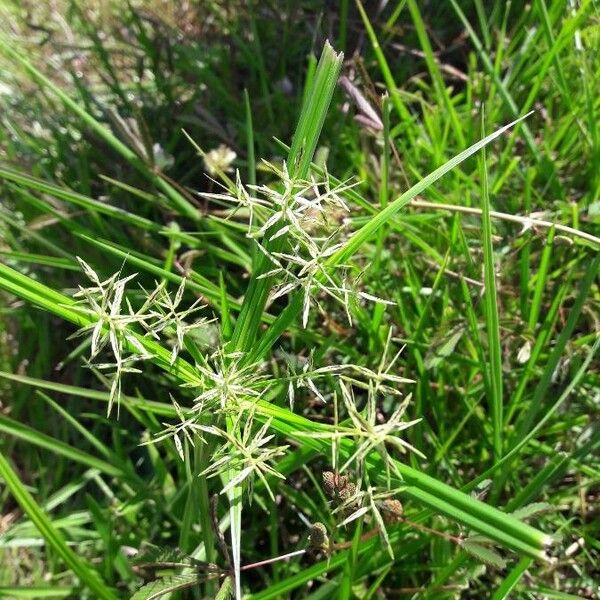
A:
<point x="484" y="554"/>
<point x="151" y="555"/>
<point x="446" y="349"/>
<point x="160" y="587"/>
<point x="226" y="590"/>
<point x="530" y="510"/>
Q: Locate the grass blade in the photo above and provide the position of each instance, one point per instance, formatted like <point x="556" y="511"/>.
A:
<point x="492" y="320"/>
<point x="177" y="199"/>
<point x="54" y="539"/>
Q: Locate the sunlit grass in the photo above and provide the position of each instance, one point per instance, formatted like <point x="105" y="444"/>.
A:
<point x="356" y="361"/>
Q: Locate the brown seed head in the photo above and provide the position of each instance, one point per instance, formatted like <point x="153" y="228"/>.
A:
<point x="391" y="511"/>
<point x="338" y="487"/>
<point x="318" y="539"/>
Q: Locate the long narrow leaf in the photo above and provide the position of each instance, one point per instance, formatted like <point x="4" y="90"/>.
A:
<point x="53" y="537"/>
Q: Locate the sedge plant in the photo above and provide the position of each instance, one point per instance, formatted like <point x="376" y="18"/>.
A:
<point x="252" y="390"/>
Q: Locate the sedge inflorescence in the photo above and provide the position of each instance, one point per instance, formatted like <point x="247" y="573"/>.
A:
<point x="297" y="226"/>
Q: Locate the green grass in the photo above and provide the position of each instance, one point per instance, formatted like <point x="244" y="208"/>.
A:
<point x="467" y="264"/>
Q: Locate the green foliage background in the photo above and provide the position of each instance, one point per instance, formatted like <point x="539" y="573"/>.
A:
<point x="108" y="175"/>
